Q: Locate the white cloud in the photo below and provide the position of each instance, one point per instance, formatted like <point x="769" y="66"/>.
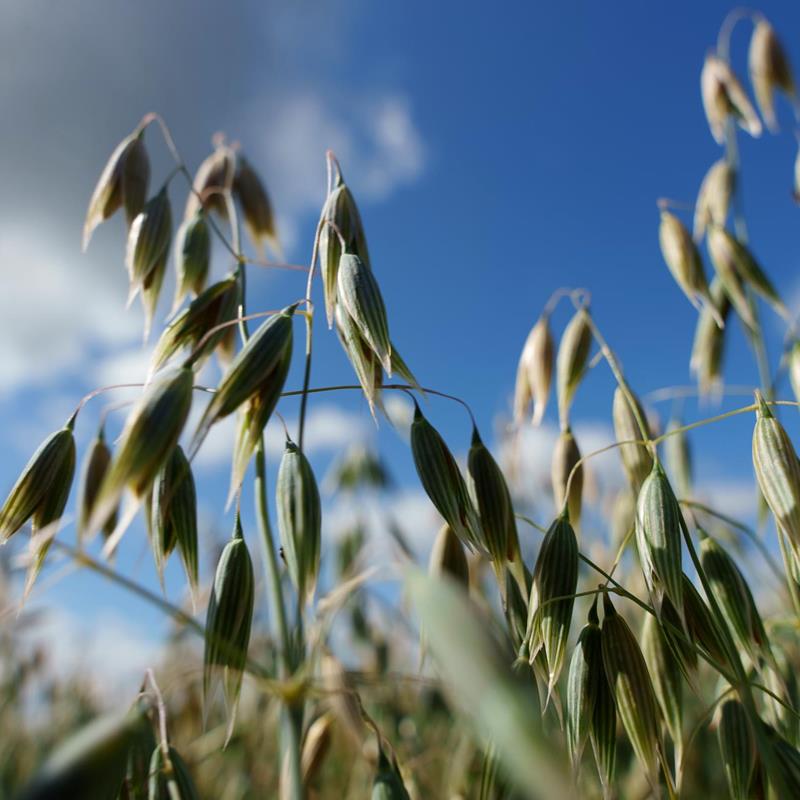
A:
<point x="107" y="650"/>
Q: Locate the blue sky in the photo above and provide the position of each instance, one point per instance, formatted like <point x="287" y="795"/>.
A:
<point x="496" y="156"/>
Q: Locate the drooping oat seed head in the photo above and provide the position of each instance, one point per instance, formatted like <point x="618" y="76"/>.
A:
<point x="148" y="239"/>
<point x="737" y="747"/>
<point x="299" y="519"/>
<point x="256" y="206"/>
<point x="709" y="342"/>
<point x="566" y="455"/>
<point x="316" y="745"/>
<point x="124" y="181"/>
<point x="714" y="197"/>
<point x="659" y="537"/>
<point x="632" y="689"/>
<point x="95" y="467"/>
<point x="728" y="247"/>
<point x="492" y="498"/>
<point x="683" y="259"/>
<point x="585" y="673"/>
<point x="214" y="177"/>
<point x="724" y="96"/>
<point x="173" y="515"/>
<point x="573" y="355"/>
<point x="151" y="432"/>
<point x="534" y="372"/>
<point x="214" y="306"/>
<point x="637" y="459"/>
<point x="341" y="210"/>
<point x="192" y="256"/>
<point x="442" y="481"/>
<point x="256" y="374"/>
<point x="228" y="622"/>
<point x="769" y="70"/>
<point x="603" y="732"/>
<point x="555" y="578"/>
<point x="361" y="298"/>
<point x="777" y="470"/>
<point x="724" y="259"/>
<point x="42" y="484"/>
<point x="701" y="624"/>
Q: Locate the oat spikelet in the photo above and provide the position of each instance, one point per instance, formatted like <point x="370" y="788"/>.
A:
<point x="709" y="343"/>
<point x="534" y="372"/>
<point x="723" y="96"/>
<point x="636" y="458"/>
<point x="573" y="355"/>
<point x="769" y="70"/>
<point x="737" y="747"/>
<point x="566" y="454"/>
<point x="714" y="198"/>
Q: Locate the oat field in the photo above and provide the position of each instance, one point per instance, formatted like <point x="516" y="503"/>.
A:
<point x="528" y="658"/>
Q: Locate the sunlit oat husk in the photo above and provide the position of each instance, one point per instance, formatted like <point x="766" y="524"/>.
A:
<point x="41" y="485"/>
<point x="340" y="209"/>
<point x="737" y="747"/>
<point x="728" y="248"/>
<point x="659" y="527"/>
<point x="554" y="576"/>
<point x="150" y="433"/>
<point x="148" y="239"/>
<point x="769" y="70"/>
<point x="714" y="198"/>
<point x="573" y="354"/>
<point x="256" y="206"/>
<point x="667" y="680"/>
<point x="213" y="307"/>
<point x="228" y="621"/>
<point x="632" y="689"/>
<point x="777" y="470"/>
<point x="679" y="458"/>
<point x="709" y="342"/>
<point x="585" y="673"/>
<point x="172" y="781"/>
<point x="684" y="261"/>
<point x="95" y="466"/>
<point x="723" y="96"/>
<point x="636" y="458"/>
<point x="363" y="360"/>
<point x="534" y="372"/>
<point x="360" y="295"/>
<point x="192" y="256"/>
<point x="258" y="371"/>
<point x="124" y="180"/>
<point x="442" y="481"/>
<point x="91" y="763"/>
<point x="566" y="455"/>
<point x="299" y="519"/>
<point x="174" y="514"/>
<point x="723" y="257"/>
<point x="492" y="500"/>
<point x="214" y="177"/>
